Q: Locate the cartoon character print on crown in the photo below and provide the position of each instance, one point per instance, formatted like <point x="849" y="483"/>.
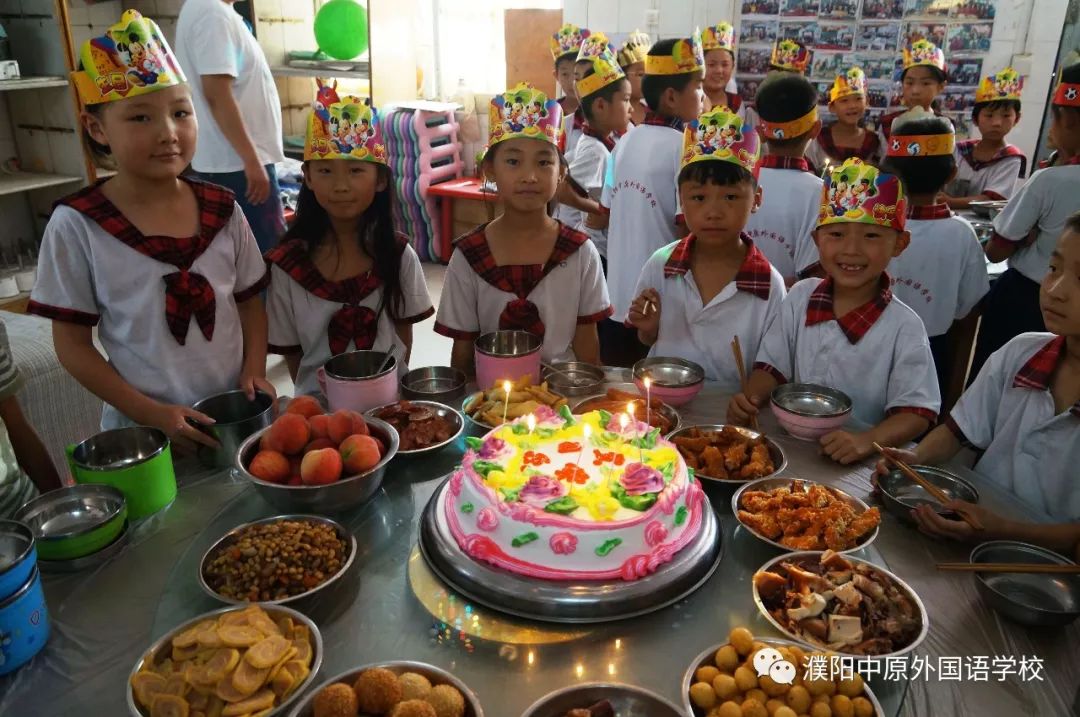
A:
<point x="1005" y="85"/>
<point x="567" y="40"/>
<point x="859" y="192"/>
<point x="524" y="111"/>
<point x="131" y="58"/>
<point x="347" y="128"/>
<point x="924" y="52"/>
<point x="720" y="135"/>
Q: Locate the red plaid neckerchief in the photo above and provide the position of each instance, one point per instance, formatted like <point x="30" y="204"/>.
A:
<point x="579" y="119"/>
<point x="967" y="151"/>
<point x="187" y="293"/>
<point x="854" y="323"/>
<point x="929" y="211"/>
<point x="607" y="140"/>
<point x="658" y="120"/>
<point x="887" y="120"/>
<point x="773" y="161"/>
<point x="734" y="101"/>
<point x="1037" y="372"/>
<point x="518" y="279"/>
<point x="754" y="275"/>
<point x="869" y="147"/>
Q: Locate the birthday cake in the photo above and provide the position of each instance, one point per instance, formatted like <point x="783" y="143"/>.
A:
<point x="564" y="497"/>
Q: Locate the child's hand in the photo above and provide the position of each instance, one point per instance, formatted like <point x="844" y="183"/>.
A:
<point x="250" y="383"/>
<point x="845" y="447"/>
<point x="596" y="221"/>
<point x="741" y="408"/>
<point x="882" y="467"/>
<point x="645" y="313"/>
<point x="173" y="420"/>
<point x="938" y="526"/>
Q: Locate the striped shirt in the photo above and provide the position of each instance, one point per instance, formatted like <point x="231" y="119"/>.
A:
<point x="15" y="487"/>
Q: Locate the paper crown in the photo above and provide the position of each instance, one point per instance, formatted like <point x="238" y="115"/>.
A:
<point x="686" y="56"/>
<point x="567" y="40"/>
<point x="924" y="52"/>
<point x="132" y="58"/>
<point x="852" y="82"/>
<point x="718" y="37"/>
<point x="790" y="55"/>
<point x="1067" y="94"/>
<point x="526" y="112"/>
<point x="903" y="144"/>
<point x="343" y="128"/>
<point x="635" y="49"/>
<point x="861" y="193"/>
<point x="605" y="66"/>
<point x="790" y="129"/>
<point x="719" y="135"/>
<point x="1005" y="85"/>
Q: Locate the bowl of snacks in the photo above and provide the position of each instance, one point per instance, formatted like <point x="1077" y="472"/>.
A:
<point x="573" y="378"/>
<point x="826" y="600"/>
<point x="485" y="410"/>
<point x="602" y="699"/>
<point x="728" y="454"/>
<point x="252" y="660"/>
<point x="434" y="383"/>
<point x="674" y="380"/>
<point x="1033" y="599"/>
<point x="422" y="426"/>
<point x="808" y="410"/>
<point x="277" y="560"/>
<point x="659" y="415"/>
<point x="75" y="521"/>
<point x="397" y="689"/>
<point x="724" y="678"/>
<point x="901" y="495"/>
<point x="828" y="518"/>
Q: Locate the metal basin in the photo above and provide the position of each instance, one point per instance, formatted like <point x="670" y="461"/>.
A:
<point x="626" y="700"/>
<point x="1027" y="598"/>
<point x="434" y="383"/>
<point x="669" y="371"/>
<point x="75" y="521"/>
<point x="901" y="495"/>
<point x="775" y="451"/>
<point x="236" y="418"/>
<point x="119" y="448"/>
<point x="573" y="378"/>
<point x="359" y="364"/>
<point x="504" y="344"/>
<point x="811" y="400"/>
<point x="456" y="420"/>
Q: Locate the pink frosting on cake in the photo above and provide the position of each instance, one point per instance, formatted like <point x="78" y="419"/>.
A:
<point x="655" y="533"/>
<point x="563" y="543"/>
<point x="487" y="519"/>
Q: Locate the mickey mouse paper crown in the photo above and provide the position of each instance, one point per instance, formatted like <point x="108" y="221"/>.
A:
<point x="686" y="56"/>
<point x="719" y="135"/>
<point x="861" y="193"/>
<point x="605" y="67"/>
<point x="567" y="40"/>
<point x="923" y="52"/>
<point x="343" y="128"/>
<point x="718" y="37"/>
<point x="132" y="58"/>
<point x="852" y="82"/>
<point x="635" y="49"/>
<point x="1005" y="85"/>
<point x="903" y="144"/>
<point x="526" y="112"/>
<point x="790" y="55"/>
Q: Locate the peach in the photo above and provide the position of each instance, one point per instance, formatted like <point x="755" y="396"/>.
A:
<point x="321" y="467"/>
<point x="306" y="406"/>
<point x="267" y="443"/>
<point x="270" y="466"/>
<point x="290" y="431"/>
<point x="359" y="425"/>
<point x="319" y="443"/>
<point x="320" y="426"/>
<point x="359" y="453"/>
<point x="340" y="426"/>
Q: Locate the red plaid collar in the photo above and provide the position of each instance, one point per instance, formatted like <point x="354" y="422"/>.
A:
<point x="887" y="120"/>
<point x="754" y="275"/>
<point x="856" y="322"/>
<point x="516" y="279"/>
<point x="658" y="120"/>
<point x="734" y="101"/>
<point x="966" y="148"/>
<point x="1037" y="372"/>
<point x="773" y="161"/>
<point x="864" y="152"/>
<point x="607" y="140"/>
<point x="929" y="211"/>
<point x="293" y="258"/>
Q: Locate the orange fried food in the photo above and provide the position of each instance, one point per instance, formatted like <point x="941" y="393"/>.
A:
<point x="806" y="517"/>
<point x="725" y="454"/>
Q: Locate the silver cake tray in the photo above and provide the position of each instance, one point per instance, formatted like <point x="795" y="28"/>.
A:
<point x="581" y="601"/>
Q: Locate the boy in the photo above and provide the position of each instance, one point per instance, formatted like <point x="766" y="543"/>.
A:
<point x="846" y="137"/>
<point x="1039" y="208"/>
<point x="787" y="56"/>
<point x="791" y="194"/>
<point x="1023" y="411"/>
<point x="632" y="61"/>
<point x="922" y="80"/>
<point x="718" y="43"/>
<point x="987" y="168"/>
<point x="644" y="188"/>
<point x="714" y="282"/>
<point x="565" y="45"/>
<point x="848" y="331"/>
<point x="942" y="274"/>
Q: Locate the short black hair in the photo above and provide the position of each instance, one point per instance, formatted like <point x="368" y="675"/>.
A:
<point x="604" y="93"/>
<point x="654" y="86"/>
<point x="570" y="57"/>
<point x="1071" y="75"/>
<point x="1073" y="223"/>
<point x="927" y="174"/>
<point x="783" y="97"/>
<point x="716" y="172"/>
<point x="994" y="105"/>
<point x="939" y="73"/>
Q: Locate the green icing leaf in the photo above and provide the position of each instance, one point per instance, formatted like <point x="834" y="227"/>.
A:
<point x="509" y="494"/>
<point x="648" y="441"/>
<point x="567" y="416"/>
<point x="545" y="432"/>
<point x="563" y="506"/>
<point x="519" y="429"/>
<point x="680" y="515"/>
<point x="639" y="503"/>
<point x="474" y="443"/>
<point x="690" y="474"/>
<point x="668" y="471"/>
<point x="607" y="546"/>
<point x="485" y="467"/>
<point x="466" y="507"/>
<point x="524" y="539"/>
<point x="605" y="417"/>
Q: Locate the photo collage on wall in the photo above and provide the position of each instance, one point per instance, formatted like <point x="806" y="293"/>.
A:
<point x="871" y="35"/>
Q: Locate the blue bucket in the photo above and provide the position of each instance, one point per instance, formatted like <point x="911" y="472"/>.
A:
<point x="18" y="556"/>
<point x="24" y="625"/>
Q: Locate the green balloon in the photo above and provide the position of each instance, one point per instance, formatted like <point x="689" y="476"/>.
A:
<point x="341" y="29"/>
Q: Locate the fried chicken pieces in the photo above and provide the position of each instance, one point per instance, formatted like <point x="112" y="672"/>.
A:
<point x="727" y="454"/>
<point x="805" y="517"/>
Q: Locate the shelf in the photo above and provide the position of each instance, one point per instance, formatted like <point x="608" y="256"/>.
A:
<point x="32" y="83"/>
<point x="27" y="181"/>
<point x="319" y="72"/>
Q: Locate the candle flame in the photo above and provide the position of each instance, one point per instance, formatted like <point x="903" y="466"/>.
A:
<point x="531" y="422"/>
<point x="630" y="408"/>
<point x="506" y="387"/>
<point x="587" y="431"/>
<point x="648" y="383"/>
<point x="623" y="420"/>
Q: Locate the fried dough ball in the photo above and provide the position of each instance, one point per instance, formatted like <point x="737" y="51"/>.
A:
<point x="414" y="686"/>
<point x="852" y="687"/>
<point x="413" y="708"/>
<point x="771" y="687"/>
<point x="784" y="711"/>
<point x="863" y="707"/>
<point x="752" y="708"/>
<point x="798" y="699"/>
<point x="742" y="640"/>
<point x="725" y="686"/>
<point x="820" y="709"/>
<point x="706" y="674"/>
<point x="378" y="690"/>
<point x="336" y="700"/>
<point x="703" y="695"/>
<point x="757" y="694"/>
<point x="745" y="679"/>
<point x="841" y="706"/>
<point x="447" y="701"/>
<point x="728" y="709"/>
<point x="727" y="659"/>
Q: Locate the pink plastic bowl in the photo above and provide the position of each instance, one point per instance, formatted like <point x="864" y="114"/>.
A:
<point x="506" y="356"/>
<point x="808" y="411"/>
<point x="672" y="396"/>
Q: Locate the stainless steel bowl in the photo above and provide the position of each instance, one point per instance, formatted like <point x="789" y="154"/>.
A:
<point x="162" y="648"/>
<point x="119" y="448"/>
<point x="811" y="399"/>
<point x="435" y="675"/>
<point x="434" y="383"/>
<point x="338" y="497"/>
<point x="1027" y="598"/>
<point x="669" y="371"/>
<point x="226" y="541"/>
<point x="665" y="410"/>
<point x="573" y="378"/>
<point x="989" y="208"/>
<point x="775" y="451"/>
<point x="901" y="495"/>
<point x="359" y="364"/>
<point x="235" y="418"/>
<point x="75" y="521"/>
<point x="503" y="344"/>
<point x="627" y="700"/>
<point x="474" y="427"/>
<point x="767" y="484"/>
<point x="440" y="410"/>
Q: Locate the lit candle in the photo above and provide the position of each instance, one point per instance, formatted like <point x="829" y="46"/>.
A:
<point x="586" y="432"/>
<point x="648" y="401"/>
<point x="630" y="411"/>
<point x="506" y="390"/>
<point x="530" y="421"/>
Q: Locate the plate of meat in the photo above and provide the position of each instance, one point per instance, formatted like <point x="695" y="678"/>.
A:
<point x="602" y="699"/>
<point x="728" y="454"/>
<point x="423" y="426"/>
<point x="660" y="415"/>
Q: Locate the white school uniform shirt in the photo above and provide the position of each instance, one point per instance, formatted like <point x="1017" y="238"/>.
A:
<point x="1043" y="203"/>
<point x="995" y="178"/>
<point x="942" y="274"/>
<point x="824" y="151"/>
<point x="1008" y="411"/>
<point x="878" y="354"/>
<point x="691" y="330"/>
<point x="790" y="204"/>
<point x="87" y="275"/>
<point x="644" y="203"/>
<point x="587" y="168"/>
<point x="479" y="297"/>
<point x="311" y="315"/>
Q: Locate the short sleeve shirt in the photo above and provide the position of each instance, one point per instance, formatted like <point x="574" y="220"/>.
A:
<point x="587" y="168"/>
<point x="995" y="178"/>
<point x="16" y="488"/>
<point x="781" y="227"/>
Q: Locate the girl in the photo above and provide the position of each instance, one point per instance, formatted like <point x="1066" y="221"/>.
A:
<point x="341" y="278"/>
<point x="718" y="42"/>
<point x="525" y="270"/>
<point x="632" y="61"/>
<point x="846" y="137"/>
<point x="165" y="267"/>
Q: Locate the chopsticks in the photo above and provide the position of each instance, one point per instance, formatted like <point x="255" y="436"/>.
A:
<point x="1042" y="568"/>
<point x="736" y="350"/>
<point x="935" y="492"/>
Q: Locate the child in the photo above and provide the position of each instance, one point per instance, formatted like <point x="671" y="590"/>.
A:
<point x="791" y="194"/>
<point x="718" y="43"/>
<point x="787" y="56"/>
<point x="942" y="274"/>
<point x="524" y="270"/>
<point x="846" y="137"/>
<point x="1023" y="412"/>
<point x="632" y="61"/>
<point x="714" y="282"/>
<point x="342" y="279"/>
<point x="922" y="80"/>
<point x="643" y="199"/>
<point x="848" y="331"/>
<point x="1039" y="208"/>
<point x="165" y="267"/>
<point x="565" y="46"/>
<point x="987" y="168"/>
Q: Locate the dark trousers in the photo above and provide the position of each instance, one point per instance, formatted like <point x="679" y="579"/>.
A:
<point x="267" y="220"/>
<point x="619" y="345"/>
<point x="942" y="352"/>
<point x="1010" y="308"/>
